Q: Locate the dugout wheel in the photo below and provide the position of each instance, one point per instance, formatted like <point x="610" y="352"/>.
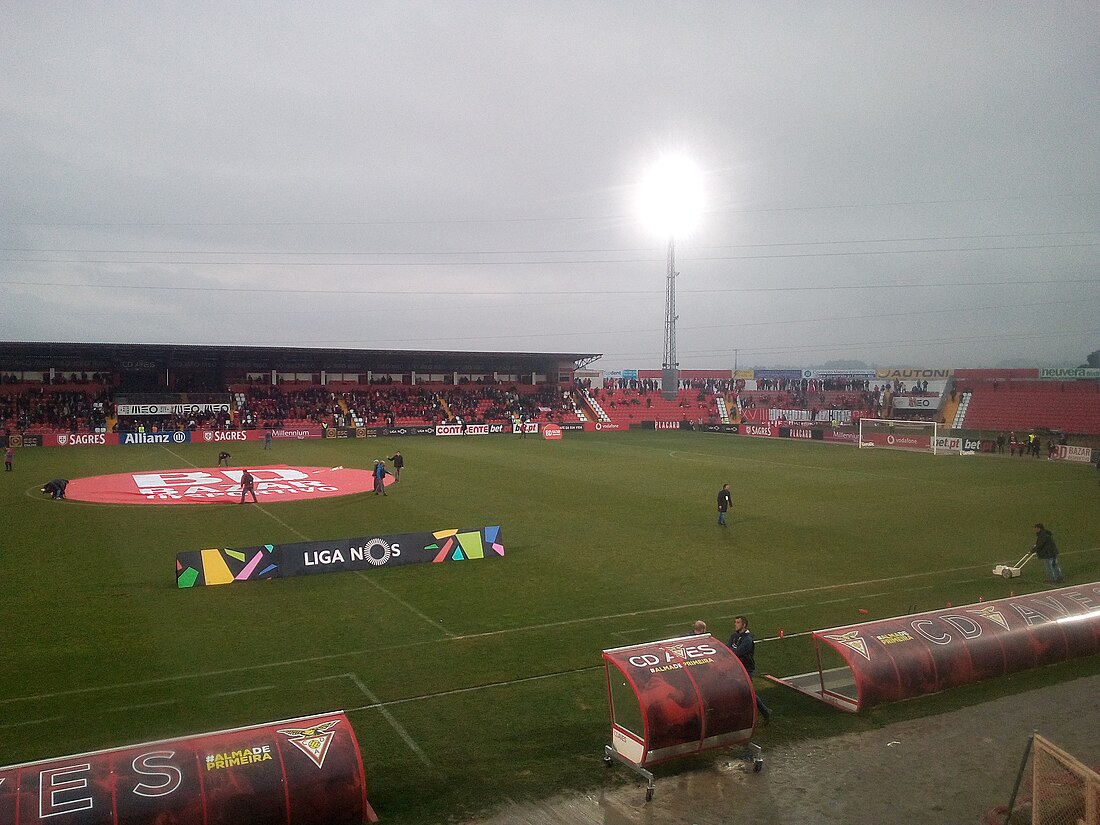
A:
<point x="607" y="760"/>
<point x="649" y="794"/>
<point x="757" y="765"/>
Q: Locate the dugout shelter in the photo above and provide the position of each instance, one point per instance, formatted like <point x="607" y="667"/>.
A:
<point x="863" y="665"/>
<point x="677" y="697"/>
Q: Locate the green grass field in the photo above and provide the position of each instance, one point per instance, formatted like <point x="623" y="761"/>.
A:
<point x="489" y="673"/>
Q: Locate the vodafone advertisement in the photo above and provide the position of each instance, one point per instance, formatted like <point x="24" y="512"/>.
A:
<point x="302" y="770"/>
<point x="604" y="426"/>
<point x="905" y="440"/>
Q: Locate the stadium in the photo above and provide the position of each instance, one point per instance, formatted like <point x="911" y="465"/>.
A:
<point x="549" y="414"/>
<point x="606" y="535"/>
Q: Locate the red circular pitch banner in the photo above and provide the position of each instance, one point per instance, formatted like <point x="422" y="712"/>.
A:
<point x="221" y="485"/>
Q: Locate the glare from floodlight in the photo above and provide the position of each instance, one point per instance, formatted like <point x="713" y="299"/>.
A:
<point x="672" y="197"/>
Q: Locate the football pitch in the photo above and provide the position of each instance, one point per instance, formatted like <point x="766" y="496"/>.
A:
<point x="474" y="683"/>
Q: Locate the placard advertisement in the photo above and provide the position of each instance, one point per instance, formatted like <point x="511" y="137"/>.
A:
<point x="916" y="402"/>
<point x="1068" y="452"/>
<point x="304" y="769"/>
<point x="214" y="566"/>
<point x="1069" y="373"/>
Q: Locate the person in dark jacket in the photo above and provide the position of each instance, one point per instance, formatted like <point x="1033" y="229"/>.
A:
<point x="398" y="462"/>
<point x="248" y="486"/>
<point x="1047" y="550"/>
<point x="744" y="648"/>
<point x="55" y="487"/>
<point x="725" y="501"/>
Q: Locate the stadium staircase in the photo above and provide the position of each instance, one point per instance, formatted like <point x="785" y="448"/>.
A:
<point x="723" y="411"/>
<point x="594" y="405"/>
<point x="955" y="411"/>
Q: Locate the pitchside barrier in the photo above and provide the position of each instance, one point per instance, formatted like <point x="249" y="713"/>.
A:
<point x="674" y="698"/>
<point x="305" y="771"/>
<point x="894" y="659"/>
<point x="273" y="561"/>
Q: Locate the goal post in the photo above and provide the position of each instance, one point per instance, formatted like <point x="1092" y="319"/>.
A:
<point x="893" y="434"/>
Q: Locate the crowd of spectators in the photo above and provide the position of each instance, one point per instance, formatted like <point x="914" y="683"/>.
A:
<point x="71" y="407"/>
<point x="84" y="403"/>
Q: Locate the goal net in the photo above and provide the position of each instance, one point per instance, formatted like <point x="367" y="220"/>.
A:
<point x="922" y="436"/>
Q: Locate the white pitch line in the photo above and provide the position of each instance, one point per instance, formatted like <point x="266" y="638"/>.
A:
<point x="127" y="708"/>
<point x="359" y="573"/>
<point x="274" y="517"/>
<point x="474" y="688"/>
<point x="10" y="725"/>
<point x="389" y="717"/>
<point x="507" y="631"/>
<point x="739" y="458"/>
<point x="369" y="580"/>
<point x="243" y="690"/>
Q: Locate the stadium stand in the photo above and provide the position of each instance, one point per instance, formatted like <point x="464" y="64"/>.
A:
<point x="70" y="388"/>
<point x="1071" y="406"/>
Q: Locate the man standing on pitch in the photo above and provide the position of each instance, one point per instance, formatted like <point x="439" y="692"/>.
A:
<point x="725" y="501"/>
<point x="248" y="486"/>
<point x="744" y="648"/>
<point x="379" y="477"/>
<point x="398" y="462"/>
<point x="1047" y="550"/>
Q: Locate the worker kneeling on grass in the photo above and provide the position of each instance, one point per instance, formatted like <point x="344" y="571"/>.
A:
<point x="55" y="487"/>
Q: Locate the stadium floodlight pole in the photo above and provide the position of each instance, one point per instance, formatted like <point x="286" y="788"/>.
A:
<point x="670" y="374"/>
<point x="671" y="203"/>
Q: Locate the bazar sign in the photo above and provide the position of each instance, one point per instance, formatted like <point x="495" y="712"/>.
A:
<point x="195" y="568"/>
<point x="220" y="485"/>
<point x="170" y="409"/>
<point x="287" y="771"/>
<point x="1070" y="453"/>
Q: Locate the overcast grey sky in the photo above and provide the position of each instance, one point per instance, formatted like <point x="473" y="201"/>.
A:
<point x="906" y="184"/>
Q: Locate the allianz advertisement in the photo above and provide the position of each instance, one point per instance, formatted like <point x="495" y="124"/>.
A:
<point x="174" y="437"/>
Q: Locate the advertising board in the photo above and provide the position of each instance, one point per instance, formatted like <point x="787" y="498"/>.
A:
<point x="216" y="566"/>
<point x="307" y="769"/>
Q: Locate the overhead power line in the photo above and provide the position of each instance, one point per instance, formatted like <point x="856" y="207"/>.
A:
<point x="623" y="250"/>
<point x="617" y="292"/>
<point x="520" y="262"/>
<point x="569" y="218"/>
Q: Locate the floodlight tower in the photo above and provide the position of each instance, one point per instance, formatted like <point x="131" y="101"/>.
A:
<point x="671" y="203"/>
<point x="670" y="367"/>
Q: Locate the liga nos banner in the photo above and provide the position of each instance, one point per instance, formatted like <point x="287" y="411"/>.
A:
<point x="302" y="770"/>
<point x="195" y="568"/>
